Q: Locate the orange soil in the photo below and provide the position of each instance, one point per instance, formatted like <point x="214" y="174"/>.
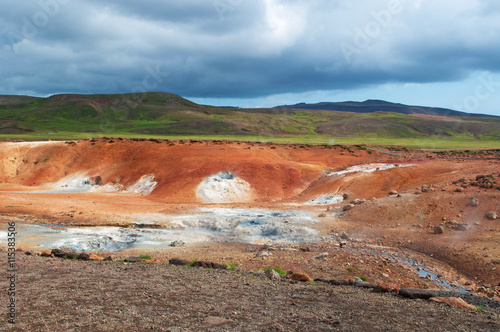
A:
<point x="279" y="173"/>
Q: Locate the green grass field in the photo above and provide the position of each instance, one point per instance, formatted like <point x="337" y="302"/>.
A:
<point x="167" y="116"/>
<point x="421" y="143"/>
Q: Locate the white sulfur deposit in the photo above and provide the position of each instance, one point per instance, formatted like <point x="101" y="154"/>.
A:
<point x="224" y="187"/>
<point x="81" y="182"/>
<point x="326" y="200"/>
<point x="367" y="168"/>
<point x="78" y="182"/>
<point x="75" y="181"/>
<point x="145" y="185"/>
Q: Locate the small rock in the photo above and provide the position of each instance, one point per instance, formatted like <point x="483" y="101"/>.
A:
<point x="481" y="290"/>
<point x="347" y="207"/>
<point x="385" y="275"/>
<point x="323" y="255"/>
<point x="322" y="215"/>
<point x="94" y="257"/>
<point x="269" y="247"/>
<point x="177" y="243"/>
<point x="462" y="227"/>
<point x="95" y="180"/>
<point x="272" y="274"/>
<point x="459" y="189"/>
<point x="178" y="261"/>
<point x="386" y="288"/>
<point x="299" y="277"/>
<point x="346" y="197"/>
<point x="58" y="253"/>
<point x="108" y="259"/>
<point x="153" y="261"/>
<point x="438" y="229"/>
<point x="83" y="256"/>
<point x="344" y="236"/>
<point x="360" y="283"/>
<point x="416" y="293"/>
<point x="210" y="265"/>
<point x="474" y="201"/>
<point x="251" y="249"/>
<point x="491" y="215"/>
<point x="393" y="192"/>
<point x="263" y="254"/>
<point x="336" y="282"/>
<point x="454" y="302"/>
<point x="46" y="254"/>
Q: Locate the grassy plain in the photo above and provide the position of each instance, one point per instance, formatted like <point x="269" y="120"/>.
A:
<point x="167" y="116"/>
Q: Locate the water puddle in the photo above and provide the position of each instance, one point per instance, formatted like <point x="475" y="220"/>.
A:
<point x="208" y="224"/>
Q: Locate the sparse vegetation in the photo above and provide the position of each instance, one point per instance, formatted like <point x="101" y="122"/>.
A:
<point x="232" y="266"/>
<point x="145" y="256"/>
<point x="190" y="264"/>
<point x="277" y="269"/>
<point x="362" y="278"/>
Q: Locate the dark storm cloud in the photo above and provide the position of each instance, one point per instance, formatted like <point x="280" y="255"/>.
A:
<point x="241" y="48"/>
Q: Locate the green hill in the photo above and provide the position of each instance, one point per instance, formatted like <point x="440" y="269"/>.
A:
<point x="165" y="115"/>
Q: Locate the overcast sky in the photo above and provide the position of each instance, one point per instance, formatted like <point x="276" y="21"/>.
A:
<point x="257" y="53"/>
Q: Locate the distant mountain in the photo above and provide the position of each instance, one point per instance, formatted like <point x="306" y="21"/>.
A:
<point x="16" y="100"/>
<point x="373" y="105"/>
<point x="163" y="114"/>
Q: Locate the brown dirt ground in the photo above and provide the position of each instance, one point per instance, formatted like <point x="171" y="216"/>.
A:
<point x="65" y="295"/>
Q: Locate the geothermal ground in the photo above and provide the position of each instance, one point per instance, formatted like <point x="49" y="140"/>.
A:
<point x="420" y="219"/>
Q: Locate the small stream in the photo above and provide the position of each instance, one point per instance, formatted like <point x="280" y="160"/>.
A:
<point x="422" y="270"/>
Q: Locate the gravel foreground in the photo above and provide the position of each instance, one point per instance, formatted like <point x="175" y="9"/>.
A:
<point x="65" y="295"/>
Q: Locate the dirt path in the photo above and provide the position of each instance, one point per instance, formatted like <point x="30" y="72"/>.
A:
<point x="64" y="295"/>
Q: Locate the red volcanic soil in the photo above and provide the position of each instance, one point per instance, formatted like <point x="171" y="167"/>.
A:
<point x="282" y="176"/>
<point x="274" y="171"/>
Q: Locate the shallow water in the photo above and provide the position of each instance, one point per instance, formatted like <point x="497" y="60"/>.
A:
<point x="422" y="270"/>
<point x="209" y="224"/>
